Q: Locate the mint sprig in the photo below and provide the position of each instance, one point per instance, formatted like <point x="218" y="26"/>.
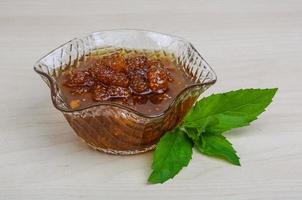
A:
<point x="203" y="127"/>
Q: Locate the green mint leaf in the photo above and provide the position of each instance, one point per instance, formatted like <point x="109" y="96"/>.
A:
<point x="221" y="112"/>
<point x="192" y="133"/>
<point x="213" y="145"/>
<point x="173" y="152"/>
<point x="217" y="146"/>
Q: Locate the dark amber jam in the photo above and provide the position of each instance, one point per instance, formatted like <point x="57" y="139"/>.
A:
<point x="145" y="81"/>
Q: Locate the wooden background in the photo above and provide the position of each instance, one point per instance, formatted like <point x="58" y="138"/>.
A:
<point x="249" y="43"/>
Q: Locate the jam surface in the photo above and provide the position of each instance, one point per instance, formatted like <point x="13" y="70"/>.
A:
<point x="142" y="81"/>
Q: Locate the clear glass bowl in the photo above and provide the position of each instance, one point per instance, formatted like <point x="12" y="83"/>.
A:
<point x="115" y="128"/>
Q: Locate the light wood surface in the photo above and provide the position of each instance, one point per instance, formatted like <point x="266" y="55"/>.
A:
<point x="251" y="43"/>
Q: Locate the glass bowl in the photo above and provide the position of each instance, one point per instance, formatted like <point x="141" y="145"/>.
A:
<point x="115" y="128"/>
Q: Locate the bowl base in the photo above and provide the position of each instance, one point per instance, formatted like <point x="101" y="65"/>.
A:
<point x="123" y="153"/>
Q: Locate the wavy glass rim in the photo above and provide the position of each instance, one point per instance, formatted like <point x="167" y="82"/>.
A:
<point x="183" y="91"/>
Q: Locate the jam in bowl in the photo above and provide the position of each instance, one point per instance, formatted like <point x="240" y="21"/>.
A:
<point x="121" y="90"/>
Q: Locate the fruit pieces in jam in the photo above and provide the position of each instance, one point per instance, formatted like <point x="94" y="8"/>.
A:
<point x="140" y="80"/>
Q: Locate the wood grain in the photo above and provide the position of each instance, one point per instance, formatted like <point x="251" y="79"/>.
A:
<point x="251" y="43"/>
